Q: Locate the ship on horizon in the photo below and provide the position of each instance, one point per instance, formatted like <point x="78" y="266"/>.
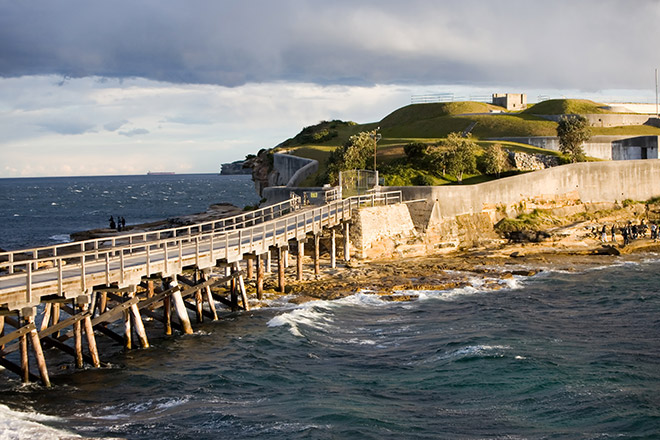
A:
<point x="160" y="173"/>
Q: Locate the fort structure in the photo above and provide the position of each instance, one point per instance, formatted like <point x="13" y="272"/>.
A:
<point x="510" y="101"/>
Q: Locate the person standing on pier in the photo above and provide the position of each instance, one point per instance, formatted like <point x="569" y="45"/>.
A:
<point x="112" y="222"/>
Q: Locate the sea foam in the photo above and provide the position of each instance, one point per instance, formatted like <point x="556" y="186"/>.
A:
<point x="16" y="425"/>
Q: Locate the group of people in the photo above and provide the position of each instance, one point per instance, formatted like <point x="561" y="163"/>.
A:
<point x="119" y="224"/>
<point x="628" y="231"/>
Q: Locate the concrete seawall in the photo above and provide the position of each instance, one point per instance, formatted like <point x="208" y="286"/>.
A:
<point x="292" y="170"/>
<point x="591" y="183"/>
<point x="448" y="217"/>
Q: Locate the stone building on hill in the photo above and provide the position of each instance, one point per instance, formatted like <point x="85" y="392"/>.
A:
<point x="510" y="101"/>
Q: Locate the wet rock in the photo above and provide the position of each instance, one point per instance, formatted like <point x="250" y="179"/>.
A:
<point x="399" y="298"/>
<point x="607" y="250"/>
<point x="525" y="273"/>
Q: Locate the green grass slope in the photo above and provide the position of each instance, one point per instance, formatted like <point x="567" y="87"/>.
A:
<point x="566" y="107"/>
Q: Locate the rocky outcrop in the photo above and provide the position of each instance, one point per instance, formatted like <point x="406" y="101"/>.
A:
<point x="531" y="162"/>
<point x="234" y="168"/>
<point x="215" y="212"/>
<point x="261" y="166"/>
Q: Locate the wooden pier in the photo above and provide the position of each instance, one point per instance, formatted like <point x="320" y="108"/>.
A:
<point x="51" y="296"/>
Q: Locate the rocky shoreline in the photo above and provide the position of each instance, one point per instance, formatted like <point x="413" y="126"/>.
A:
<point x="489" y="268"/>
<point x="215" y="212"/>
<point x="571" y="247"/>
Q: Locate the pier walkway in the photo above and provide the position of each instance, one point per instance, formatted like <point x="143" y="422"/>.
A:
<point x="120" y="277"/>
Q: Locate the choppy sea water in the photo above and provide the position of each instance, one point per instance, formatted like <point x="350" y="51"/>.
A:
<point x="44" y="211"/>
<point x="554" y="356"/>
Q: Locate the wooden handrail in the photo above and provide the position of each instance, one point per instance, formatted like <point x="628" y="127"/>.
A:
<point x="136" y="248"/>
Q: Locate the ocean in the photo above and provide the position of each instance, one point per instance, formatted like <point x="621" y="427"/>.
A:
<point x="44" y="211"/>
<point x="559" y="355"/>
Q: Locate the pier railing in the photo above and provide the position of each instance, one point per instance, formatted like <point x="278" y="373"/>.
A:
<point x="165" y="251"/>
<point x="11" y="259"/>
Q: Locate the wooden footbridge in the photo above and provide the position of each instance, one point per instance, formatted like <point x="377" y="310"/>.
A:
<point x="51" y="296"/>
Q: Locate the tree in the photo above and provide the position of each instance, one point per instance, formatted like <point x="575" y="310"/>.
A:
<point x="573" y="131"/>
<point x="355" y="154"/>
<point x="495" y="159"/>
<point x="415" y="151"/>
<point x="461" y="155"/>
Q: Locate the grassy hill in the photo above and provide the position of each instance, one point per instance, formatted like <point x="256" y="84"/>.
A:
<point x="566" y="107"/>
<point x="432" y="122"/>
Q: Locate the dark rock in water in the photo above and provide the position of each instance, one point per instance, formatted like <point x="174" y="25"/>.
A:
<point x="399" y="298"/>
<point x="527" y="235"/>
<point x="607" y="250"/>
<point x="525" y="273"/>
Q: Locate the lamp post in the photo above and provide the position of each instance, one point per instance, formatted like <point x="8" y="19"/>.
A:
<point x="376" y="137"/>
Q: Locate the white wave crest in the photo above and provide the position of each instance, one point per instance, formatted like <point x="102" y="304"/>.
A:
<point x="61" y="238"/>
<point x="477" y="285"/>
<point x="318" y="314"/>
<point x="311" y="314"/>
<point x="16" y="425"/>
<point x="126" y="411"/>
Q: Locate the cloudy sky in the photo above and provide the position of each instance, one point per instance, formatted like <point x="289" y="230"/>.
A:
<point x="122" y="87"/>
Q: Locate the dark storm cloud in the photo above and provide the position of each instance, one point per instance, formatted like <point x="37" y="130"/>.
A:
<point x="585" y="44"/>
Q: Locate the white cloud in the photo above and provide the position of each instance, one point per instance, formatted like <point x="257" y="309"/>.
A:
<point x="111" y="126"/>
<point x="136" y="125"/>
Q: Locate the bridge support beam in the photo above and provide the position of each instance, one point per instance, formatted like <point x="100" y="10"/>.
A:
<point x="269" y="260"/>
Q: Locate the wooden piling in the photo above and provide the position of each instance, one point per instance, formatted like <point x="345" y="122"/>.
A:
<point x="241" y="286"/>
<point x="181" y="311"/>
<point x="91" y="339"/>
<point x="333" y="248"/>
<point x="299" y="261"/>
<point x="38" y="352"/>
<point x="55" y="317"/>
<point x="260" y="277"/>
<point x="250" y="267"/>
<point x="77" y="341"/>
<point x="269" y="261"/>
<point x="317" y="259"/>
<point x="137" y="320"/>
<point x="347" y="243"/>
<point x="280" y="269"/>
<point x="199" y="306"/>
<point x="167" y="315"/>
<point x="209" y="296"/>
<point x="103" y="302"/>
<point x="25" y="362"/>
<point x="45" y="316"/>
